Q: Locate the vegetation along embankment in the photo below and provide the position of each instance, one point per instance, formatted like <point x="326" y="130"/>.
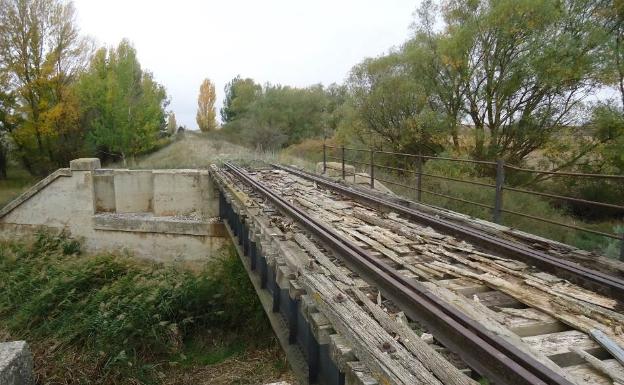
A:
<point x="110" y="319"/>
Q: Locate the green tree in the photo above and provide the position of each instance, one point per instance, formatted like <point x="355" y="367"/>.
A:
<point x="239" y="95"/>
<point x="277" y="115"/>
<point x="122" y="106"/>
<point x="521" y="68"/>
<point x="612" y="18"/>
<point x="172" y="124"/>
<point x="394" y="107"/>
<point x="439" y="63"/>
<point x="42" y="53"/>
<point x="8" y="121"/>
<point x="206" y="114"/>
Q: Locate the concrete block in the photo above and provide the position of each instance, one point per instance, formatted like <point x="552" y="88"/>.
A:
<point x="210" y="196"/>
<point x="104" y="190"/>
<point x="177" y="192"/>
<point x="147" y="223"/>
<point x="364" y="179"/>
<point x="84" y="164"/>
<point x="134" y="191"/>
<point x="334" y="169"/>
<point x="16" y="364"/>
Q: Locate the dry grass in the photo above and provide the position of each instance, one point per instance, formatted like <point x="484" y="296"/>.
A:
<point x="258" y="366"/>
<point x="192" y="150"/>
<point x="58" y="364"/>
<point x="199" y="150"/>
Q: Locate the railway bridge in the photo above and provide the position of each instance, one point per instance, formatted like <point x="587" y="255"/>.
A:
<point x="362" y="287"/>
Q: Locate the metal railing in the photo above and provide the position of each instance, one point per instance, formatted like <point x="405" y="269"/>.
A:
<point x="497" y="206"/>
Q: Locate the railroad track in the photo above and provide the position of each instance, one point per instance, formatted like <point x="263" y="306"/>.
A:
<point x="417" y="265"/>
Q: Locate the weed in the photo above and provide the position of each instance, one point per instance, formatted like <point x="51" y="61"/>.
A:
<point x="124" y="315"/>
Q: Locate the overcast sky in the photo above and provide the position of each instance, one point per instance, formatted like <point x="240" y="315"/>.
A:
<point x="289" y="42"/>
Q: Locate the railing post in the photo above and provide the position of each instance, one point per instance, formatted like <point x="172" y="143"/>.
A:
<point x="418" y="178"/>
<point x="622" y="247"/>
<point x="372" y="168"/>
<point x="343" y="162"/>
<point x="498" y="197"/>
<point x="324" y="158"/>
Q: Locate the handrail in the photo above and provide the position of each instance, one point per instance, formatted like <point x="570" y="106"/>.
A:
<point x="565" y="173"/>
<point x="487" y="162"/>
<point x="609" y="235"/>
<point x="563" y="197"/>
<point x="499" y="187"/>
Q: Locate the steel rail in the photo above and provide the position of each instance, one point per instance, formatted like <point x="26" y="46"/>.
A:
<point x="489" y="354"/>
<point x="591" y="279"/>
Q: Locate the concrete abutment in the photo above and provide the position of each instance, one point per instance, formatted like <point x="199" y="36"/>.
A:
<point x="168" y="216"/>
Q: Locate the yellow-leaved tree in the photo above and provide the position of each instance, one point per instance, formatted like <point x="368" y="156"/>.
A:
<point x="206" y="112"/>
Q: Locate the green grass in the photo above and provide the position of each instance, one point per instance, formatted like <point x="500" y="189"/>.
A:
<point x="197" y="352"/>
<point x="113" y="320"/>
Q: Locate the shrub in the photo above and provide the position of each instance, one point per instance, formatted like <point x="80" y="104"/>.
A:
<point x="119" y="311"/>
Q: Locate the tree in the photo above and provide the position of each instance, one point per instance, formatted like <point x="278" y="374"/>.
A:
<point x="8" y="121"/>
<point x="613" y="51"/>
<point x="172" y="125"/>
<point x="239" y="95"/>
<point x="438" y="61"/>
<point x="520" y="68"/>
<point x="393" y="107"/>
<point x="42" y="53"/>
<point x="206" y="113"/>
<point x="122" y="106"/>
<point x="277" y="115"/>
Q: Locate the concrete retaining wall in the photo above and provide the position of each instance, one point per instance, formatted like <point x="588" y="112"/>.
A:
<point x="163" y="215"/>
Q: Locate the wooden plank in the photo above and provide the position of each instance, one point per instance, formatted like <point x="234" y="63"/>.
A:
<point x="317" y="254"/>
<point x="530" y="322"/>
<point x="610" y="345"/>
<point x="375" y="245"/>
<point x="340" y="351"/>
<point x="378" y="233"/>
<point x="591" y="376"/>
<point x="537" y="295"/>
<point x="558" y="346"/>
<point x="495" y="298"/>
<point x="321" y="328"/>
<point x="439" y="366"/>
<point x="370" y="342"/>
<point x="600" y="366"/>
<point x="493" y="321"/>
<point x="293" y="255"/>
<point x="358" y="374"/>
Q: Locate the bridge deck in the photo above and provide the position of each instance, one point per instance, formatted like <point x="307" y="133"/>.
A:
<point x="351" y="330"/>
